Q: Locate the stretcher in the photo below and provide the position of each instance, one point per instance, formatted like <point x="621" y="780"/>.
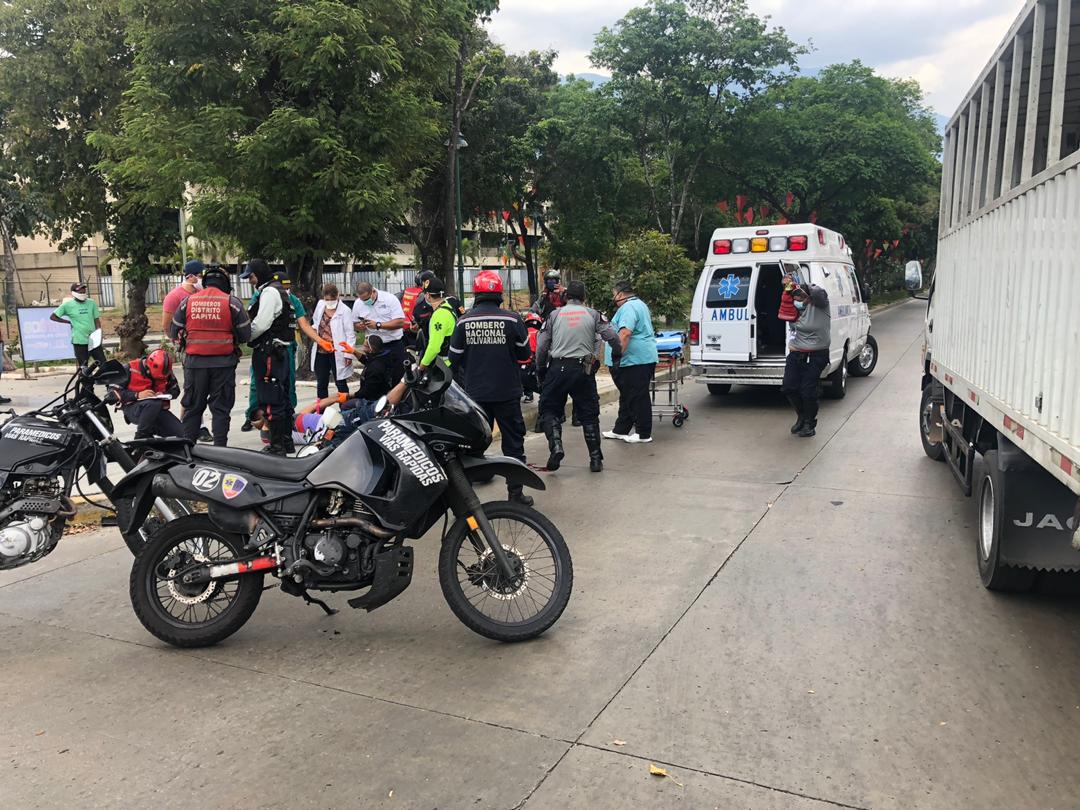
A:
<point x="668" y="378"/>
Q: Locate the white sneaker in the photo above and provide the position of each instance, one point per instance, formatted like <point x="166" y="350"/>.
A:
<point x="633" y="438"/>
<point x="611" y="434"/>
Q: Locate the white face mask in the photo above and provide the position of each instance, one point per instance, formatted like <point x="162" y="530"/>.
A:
<point x="331" y="305"/>
<point x="79" y="296"/>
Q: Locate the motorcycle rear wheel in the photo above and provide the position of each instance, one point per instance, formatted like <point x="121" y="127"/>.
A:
<point x="186" y="616"/>
<point x="481" y="597"/>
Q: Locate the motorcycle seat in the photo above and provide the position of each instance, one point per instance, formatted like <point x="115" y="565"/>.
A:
<point x="264" y="464"/>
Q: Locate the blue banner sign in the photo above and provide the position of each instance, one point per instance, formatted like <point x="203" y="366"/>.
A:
<point x="43" y="339"/>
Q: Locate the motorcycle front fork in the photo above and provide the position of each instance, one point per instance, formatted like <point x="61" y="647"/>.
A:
<point x="466" y="504"/>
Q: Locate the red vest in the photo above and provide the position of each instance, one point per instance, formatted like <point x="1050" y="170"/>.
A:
<point x="209" y="324"/>
<point x="141" y="382"/>
<point x="408" y="301"/>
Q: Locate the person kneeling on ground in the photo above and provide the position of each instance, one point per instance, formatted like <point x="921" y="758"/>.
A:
<point x="146" y="398"/>
<point x="808" y="357"/>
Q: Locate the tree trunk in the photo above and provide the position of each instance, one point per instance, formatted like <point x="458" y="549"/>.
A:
<point x="10" y="299"/>
<point x="134" y="326"/>
<point x="308" y="274"/>
<point x="450" y="195"/>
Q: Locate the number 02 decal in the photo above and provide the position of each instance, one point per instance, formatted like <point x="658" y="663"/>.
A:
<point x="205" y="479"/>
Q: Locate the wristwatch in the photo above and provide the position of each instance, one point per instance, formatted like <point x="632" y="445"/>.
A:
<point x="378" y="324"/>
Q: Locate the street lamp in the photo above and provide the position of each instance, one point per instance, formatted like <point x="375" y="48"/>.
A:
<point x="461" y="144"/>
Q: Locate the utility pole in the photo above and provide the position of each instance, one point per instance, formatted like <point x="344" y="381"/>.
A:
<point x="461" y="144"/>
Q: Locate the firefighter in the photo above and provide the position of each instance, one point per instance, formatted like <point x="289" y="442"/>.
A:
<point x="273" y="326"/>
<point x="552" y="297"/>
<point x="210" y="325"/>
<point x="487" y="346"/>
<point x="145" y="400"/>
<point x="566" y="355"/>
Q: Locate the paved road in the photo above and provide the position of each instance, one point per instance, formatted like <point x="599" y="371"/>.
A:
<point x="779" y="623"/>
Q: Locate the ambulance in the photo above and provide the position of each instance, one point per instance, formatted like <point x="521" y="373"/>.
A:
<point x="736" y="336"/>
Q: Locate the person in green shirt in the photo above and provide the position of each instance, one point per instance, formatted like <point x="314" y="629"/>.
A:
<point x="440" y="325"/>
<point x="82" y="314"/>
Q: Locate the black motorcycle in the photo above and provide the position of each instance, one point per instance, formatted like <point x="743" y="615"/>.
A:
<point x="45" y="453"/>
<point x="339" y="519"/>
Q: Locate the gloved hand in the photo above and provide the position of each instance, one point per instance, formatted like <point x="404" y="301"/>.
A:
<point x="326" y="345"/>
<point x="345" y="347"/>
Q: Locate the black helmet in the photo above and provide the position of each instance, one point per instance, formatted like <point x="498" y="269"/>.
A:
<point x="257" y="268"/>
<point x="425" y="278"/>
<point x="214" y="276"/>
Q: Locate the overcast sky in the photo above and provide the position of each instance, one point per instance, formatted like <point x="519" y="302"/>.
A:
<point x="942" y="43"/>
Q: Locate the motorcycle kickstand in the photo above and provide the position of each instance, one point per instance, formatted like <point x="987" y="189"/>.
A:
<point x="311" y="600"/>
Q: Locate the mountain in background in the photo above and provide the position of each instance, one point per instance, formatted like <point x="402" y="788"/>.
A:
<point x="595" y="79"/>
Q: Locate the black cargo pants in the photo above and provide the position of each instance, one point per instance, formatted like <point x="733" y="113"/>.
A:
<point x="802" y="380"/>
<point x="569" y="378"/>
<point x="213" y="387"/>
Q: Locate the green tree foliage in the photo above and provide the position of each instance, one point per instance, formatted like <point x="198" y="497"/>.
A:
<point x="660" y="271"/>
<point x="680" y="72"/>
<point x="296" y="128"/>
<point x="853" y="149"/>
<point x="61" y="89"/>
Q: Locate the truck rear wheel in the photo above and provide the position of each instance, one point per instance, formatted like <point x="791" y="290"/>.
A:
<point x="929" y="432"/>
<point x="996" y="575"/>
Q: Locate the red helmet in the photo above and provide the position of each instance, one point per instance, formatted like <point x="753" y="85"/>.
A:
<point x="159" y="364"/>
<point x="532" y="319"/>
<point x="487" y="281"/>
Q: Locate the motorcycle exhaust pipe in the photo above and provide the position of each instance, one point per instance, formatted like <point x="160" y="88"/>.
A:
<point x="352" y="522"/>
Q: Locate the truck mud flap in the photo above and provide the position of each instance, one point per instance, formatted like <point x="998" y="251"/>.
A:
<point x="1038" y="517"/>
<point x="393" y="573"/>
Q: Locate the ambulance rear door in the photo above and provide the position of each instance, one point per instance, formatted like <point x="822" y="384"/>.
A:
<point x="727" y="314"/>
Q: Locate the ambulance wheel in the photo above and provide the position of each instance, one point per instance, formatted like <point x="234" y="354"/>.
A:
<point x="996" y="576"/>
<point x="863" y="364"/>
<point x="719" y="389"/>
<point x="836" y="383"/>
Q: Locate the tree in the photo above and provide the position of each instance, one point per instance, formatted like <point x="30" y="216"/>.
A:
<point x="61" y="87"/>
<point x="298" y="129"/>
<point x="21" y="213"/>
<point x="679" y="74"/>
<point x="850" y="149"/>
<point x="660" y="271"/>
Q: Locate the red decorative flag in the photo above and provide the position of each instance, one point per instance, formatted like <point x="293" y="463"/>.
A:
<point x="789" y="200"/>
<point x="782" y="221"/>
<point x="813" y="217"/>
<point x="749" y="216"/>
<point x="723" y="206"/>
<point x="877" y="253"/>
<point x="506" y="216"/>
<point x="763" y="212"/>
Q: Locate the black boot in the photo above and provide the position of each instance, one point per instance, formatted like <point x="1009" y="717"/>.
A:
<point x="796" y="403"/>
<point x="517" y="496"/>
<point x="592" y="441"/>
<point x="553" y="431"/>
<point x="808" y="429"/>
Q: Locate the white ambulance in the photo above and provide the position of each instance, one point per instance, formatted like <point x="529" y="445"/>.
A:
<point x="736" y="336"/>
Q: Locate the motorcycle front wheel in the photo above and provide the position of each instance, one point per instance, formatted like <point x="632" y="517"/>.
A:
<point x="191" y="615"/>
<point x="489" y="603"/>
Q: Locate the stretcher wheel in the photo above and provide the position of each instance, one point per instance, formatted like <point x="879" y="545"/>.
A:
<point x="678" y="421"/>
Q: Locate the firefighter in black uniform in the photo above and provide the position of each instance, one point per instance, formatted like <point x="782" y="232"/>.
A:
<point x="210" y="325"/>
<point x="486" y="348"/>
<point x="567" y="348"/>
<point x="273" y="326"/>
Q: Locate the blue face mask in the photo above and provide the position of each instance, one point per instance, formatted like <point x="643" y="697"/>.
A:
<point x="800" y="305"/>
<point x="551" y="283"/>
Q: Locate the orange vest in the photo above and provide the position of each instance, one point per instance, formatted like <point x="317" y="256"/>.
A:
<point x="209" y="324"/>
<point x="408" y="301"/>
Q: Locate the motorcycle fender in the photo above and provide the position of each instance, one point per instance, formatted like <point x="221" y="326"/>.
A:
<point x="479" y="468"/>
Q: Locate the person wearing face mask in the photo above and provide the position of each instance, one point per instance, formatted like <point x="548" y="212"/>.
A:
<point x="191" y="284"/>
<point x="634" y="371"/>
<point x="808" y="354"/>
<point x="377" y="312"/>
<point x="82" y="314"/>
<point x="334" y="326"/>
<point x="553" y="296"/>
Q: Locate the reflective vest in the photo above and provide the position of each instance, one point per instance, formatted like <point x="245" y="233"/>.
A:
<point x="408" y="301"/>
<point x="141" y="380"/>
<point x="209" y="324"/>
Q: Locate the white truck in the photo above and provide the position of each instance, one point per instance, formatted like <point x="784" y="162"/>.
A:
<point x="1001" y="374"/>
